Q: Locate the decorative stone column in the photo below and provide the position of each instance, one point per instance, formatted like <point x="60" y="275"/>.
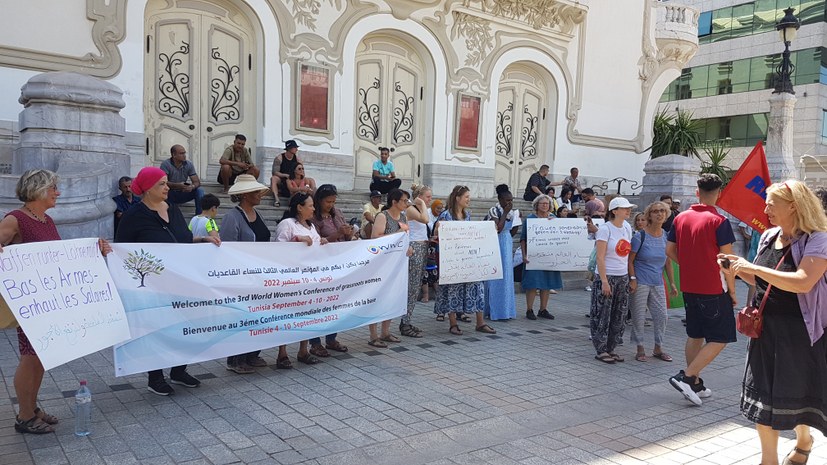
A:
<point x="780" y="138"/>
<point x="71" y="124"/>
<point x="675" y="175"/>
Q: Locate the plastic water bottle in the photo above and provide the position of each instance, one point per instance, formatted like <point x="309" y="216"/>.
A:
<point x="83" y="410"/>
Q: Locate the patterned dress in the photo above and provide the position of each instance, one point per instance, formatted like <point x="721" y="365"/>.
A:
<point x="32" y="230"/>
<point x="460" y="297"/>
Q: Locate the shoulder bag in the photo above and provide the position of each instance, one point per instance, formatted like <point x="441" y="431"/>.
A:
<point x="750" y="321"/>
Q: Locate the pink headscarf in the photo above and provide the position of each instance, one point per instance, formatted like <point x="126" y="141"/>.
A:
<point x="146" y="178"/>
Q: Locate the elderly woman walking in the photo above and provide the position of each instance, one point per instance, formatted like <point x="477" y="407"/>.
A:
<point x="785" y="381"/>
<point x="534" y="281"/>
<point x="647" y="261"/>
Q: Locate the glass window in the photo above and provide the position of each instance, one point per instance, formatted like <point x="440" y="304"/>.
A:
<point x="807" y="66"/>
<point x="742" y="16"/>
<point x="739" y="77"/>
<point x="765" y="16"/>
<point x="719" y="78"/>
<point x="756" y="128"/>
<point x="738" y="130"/>
<point x="705" y="24"/>
<point x="314" y="97"/>
<point x="721" y="24"/>
<point x="811" y="11"/>
<point x="824" y="126"/>
<point x="762" y="72"/>
<point x="698" y="81"/>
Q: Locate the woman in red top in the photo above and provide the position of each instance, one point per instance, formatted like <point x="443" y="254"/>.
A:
<point x="37" y="189"/>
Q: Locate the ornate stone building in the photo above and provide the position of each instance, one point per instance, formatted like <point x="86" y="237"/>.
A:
<point x="465" y="91"/>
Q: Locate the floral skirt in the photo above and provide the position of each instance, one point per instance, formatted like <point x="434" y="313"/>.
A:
<point x="460" y="298"/>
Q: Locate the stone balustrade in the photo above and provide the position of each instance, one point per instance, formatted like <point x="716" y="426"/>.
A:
<point x="676" y="22"/>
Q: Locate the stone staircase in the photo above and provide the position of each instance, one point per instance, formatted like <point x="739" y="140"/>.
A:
<point x="351" y="204"/>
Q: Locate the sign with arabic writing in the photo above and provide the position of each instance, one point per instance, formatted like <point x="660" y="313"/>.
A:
<point x="62" y="296"/>
<point x="468" y="252"/>
<point x="560" y="244"/>
<point x="191" y="303"/>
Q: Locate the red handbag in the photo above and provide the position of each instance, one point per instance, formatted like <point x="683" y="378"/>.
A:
<point x="750" y="321"/>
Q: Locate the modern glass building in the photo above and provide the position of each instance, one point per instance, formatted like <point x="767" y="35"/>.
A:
<point x="729" y="81"/>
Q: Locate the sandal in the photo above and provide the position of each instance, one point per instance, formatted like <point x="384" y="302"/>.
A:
<point x="640" y="357"/>
<point x="32" y="426"/>
<point x="440" y="317"/>
<point x="284" y="363"/>
<point x="50" y="419"/>
<point x="663" y="356"/>
<point x="486" y="329"/>
<point x="308" y="359"/>
<point x="257" y="362"/>
<point x="796" y="450"/>
<point x="410" y="331"/>
<point x="390" y="338"/>
<point x="617" y="358"/>
<point x="464" y="318"/>
<point x="319" y="351"/>
<point x="337" y="346"/>
<point x="241" y="369"/>
<point x="455" y="330"/>
<point x="605" y="358"/>
<point x="377" y="343"/>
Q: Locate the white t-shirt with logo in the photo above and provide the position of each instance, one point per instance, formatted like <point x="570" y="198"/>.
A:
<point x="619" y="246"/>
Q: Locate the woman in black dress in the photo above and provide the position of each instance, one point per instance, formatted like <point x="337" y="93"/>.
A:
<point x="785" y="381"/>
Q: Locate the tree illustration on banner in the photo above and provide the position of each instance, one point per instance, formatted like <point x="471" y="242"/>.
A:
<point x="141" y="264"/>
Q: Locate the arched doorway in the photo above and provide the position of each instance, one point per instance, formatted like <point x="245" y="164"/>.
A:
<point x="524" y="136"/>
<point x="390" y="92"/>
<point x="199" y="81"/>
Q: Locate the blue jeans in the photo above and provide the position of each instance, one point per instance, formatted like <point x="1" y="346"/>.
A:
<point x="317" y="341"/>
<point x="184" y="197"/>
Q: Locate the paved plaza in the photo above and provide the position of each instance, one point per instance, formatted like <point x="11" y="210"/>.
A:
<point x="531" y="394"/>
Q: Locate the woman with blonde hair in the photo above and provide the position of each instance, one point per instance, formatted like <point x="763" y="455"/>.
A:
<point x="785" y="380"/>
<point x="460" y="297"/>
<point x="647" y="261"/>
<point x="417" y="215"/>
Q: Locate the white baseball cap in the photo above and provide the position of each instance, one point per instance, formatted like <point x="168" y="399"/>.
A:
<point x="620" y="202"/>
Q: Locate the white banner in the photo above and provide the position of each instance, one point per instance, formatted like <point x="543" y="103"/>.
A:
<point x="468" y="252"/>
<point x="62" y="296"/>
<point x="191" y="303"/>
<point x="559" y="244"/>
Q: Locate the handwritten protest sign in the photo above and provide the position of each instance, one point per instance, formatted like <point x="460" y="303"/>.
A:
<point x="191" y="303"/>
<point x="468" y="252"/>
<point x="62" y="296"/>
<point x="560" y="244"/>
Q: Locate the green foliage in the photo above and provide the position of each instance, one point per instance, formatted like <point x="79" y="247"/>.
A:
<point x="716" y="152"/>
<point x="139" y="265"/>
<point x="676" y="134"/>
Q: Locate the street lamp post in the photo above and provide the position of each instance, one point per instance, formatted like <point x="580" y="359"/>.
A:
<point x="787" y="28"/>
<point x="780" y="147"/>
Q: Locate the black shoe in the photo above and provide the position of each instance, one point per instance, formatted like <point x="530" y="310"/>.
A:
<point x="530" y="314"/>
<point x="160" y="387"/>
<point x="185" y="379"/>
<point x="545" y="314"/>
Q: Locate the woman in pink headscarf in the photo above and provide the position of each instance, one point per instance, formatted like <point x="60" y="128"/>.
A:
<point x="154" y="220"/>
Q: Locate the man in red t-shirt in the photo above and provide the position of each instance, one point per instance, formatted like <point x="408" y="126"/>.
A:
<point x="697" y="236"/>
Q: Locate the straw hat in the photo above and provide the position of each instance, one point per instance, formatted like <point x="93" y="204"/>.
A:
<point x="246" y="183"/>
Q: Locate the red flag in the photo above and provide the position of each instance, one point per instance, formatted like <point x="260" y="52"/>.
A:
<point x="745" y="194"/>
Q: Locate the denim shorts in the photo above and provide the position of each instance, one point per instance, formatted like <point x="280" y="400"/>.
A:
<point x="710" y="317"/>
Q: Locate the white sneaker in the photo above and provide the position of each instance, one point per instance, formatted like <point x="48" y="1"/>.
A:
<point x="702" y="391"/>
<point x="679" y="383"/>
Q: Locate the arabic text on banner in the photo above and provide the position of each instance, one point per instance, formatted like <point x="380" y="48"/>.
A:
<point x="62" y="296"/>
<point x="468" y="252"/>
<point x="191" y="303"/>
<point x="558" y="244"/>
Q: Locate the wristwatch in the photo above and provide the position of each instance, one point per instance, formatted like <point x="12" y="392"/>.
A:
<point x="633" y="278"/>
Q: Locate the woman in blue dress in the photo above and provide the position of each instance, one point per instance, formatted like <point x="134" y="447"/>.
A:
<point x="538" y="280"/>
<point x="500" y="303"/>
<point x="459" y="298"/>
